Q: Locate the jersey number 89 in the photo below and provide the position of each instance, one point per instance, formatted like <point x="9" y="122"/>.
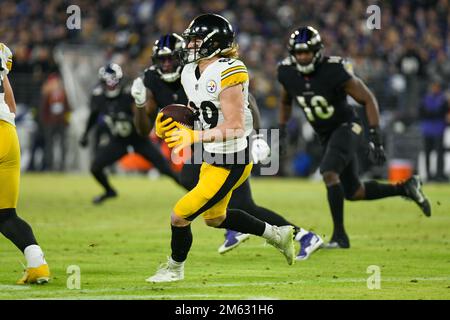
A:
<point x="318" y="108"/>
<point x="209" y="112"/>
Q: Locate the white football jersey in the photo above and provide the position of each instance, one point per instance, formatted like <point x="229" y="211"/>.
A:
<point x="203" y="95"/>
<point x="5" y="67"/>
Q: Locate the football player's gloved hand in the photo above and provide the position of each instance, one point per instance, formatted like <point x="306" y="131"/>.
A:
<point x="260" y="149"/>
<point x="139" y="92"/>
<point x="84" y="141"/>
<point x="181" y="137"/>
<point x="376" y="150"/>
<point x="283" y="144"/>
<point x="161" y="127"/>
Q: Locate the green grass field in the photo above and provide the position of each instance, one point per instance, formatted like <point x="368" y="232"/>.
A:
<point x="119" y="244"/>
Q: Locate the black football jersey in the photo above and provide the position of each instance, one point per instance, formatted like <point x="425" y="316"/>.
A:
<point x="320" y="94"/>
<point x="165" y="93"/>
<point x="117" y="112"/>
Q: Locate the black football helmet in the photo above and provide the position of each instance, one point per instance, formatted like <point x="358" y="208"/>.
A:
<point x="111" y="77"/>
<point x="166" y="57"/>
<point x="306" y="39"/>
<point x="216" y="35"/>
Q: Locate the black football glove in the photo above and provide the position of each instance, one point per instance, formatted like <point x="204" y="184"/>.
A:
<point x="376" y="150"/>
<point x="84" y="141"/>
<point x="283" y="144"/>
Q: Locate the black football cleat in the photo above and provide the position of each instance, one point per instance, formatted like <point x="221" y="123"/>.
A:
<point x="413" y="189"/>
<point x="338" y="242"/>
<point x="101" y="198"/>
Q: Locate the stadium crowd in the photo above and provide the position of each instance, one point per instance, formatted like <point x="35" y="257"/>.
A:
<point x="399" y="62"/>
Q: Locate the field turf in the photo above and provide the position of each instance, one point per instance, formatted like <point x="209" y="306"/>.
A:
<point x="119" y="244"/>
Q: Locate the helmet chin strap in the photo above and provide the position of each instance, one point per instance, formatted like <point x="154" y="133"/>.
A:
<point x="310" y="67"/>
<point x="172" y="76"/>
<point x="112" y="93"/>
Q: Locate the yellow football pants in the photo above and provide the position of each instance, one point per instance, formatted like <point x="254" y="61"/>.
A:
<point x="9" y="166"/>
<point x="213" y="191"/>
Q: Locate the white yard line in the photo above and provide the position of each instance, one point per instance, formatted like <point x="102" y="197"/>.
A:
<point x="77" y="294"/>
<point x="13" y="288"/>
<point x="134" y="297"/>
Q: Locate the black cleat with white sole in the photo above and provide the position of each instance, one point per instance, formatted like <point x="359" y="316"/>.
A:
<point x="340" y="241"/>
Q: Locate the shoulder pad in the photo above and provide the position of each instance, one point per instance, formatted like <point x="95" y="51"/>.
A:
<point x="286" y="62"/>
<point x="232" y="71"/>
<point x="346" y="64"/>
<point x="98" y="91"/>
<point x="150" y="69"/>
<point x="334" y="59"/>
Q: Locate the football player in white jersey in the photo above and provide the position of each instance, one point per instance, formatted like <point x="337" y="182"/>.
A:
<point x="216" y="84"/>
<point x="11" y="226"/>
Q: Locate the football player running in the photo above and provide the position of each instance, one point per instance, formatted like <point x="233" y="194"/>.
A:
<point x="163" y="81"/>
<point x="11" y="226"/>
<point x="112" y="100"/>
<point x="320" y="86"/>
<point x="217" y="87"/>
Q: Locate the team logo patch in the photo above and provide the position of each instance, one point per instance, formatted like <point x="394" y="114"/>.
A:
<point x="211" y="87"/>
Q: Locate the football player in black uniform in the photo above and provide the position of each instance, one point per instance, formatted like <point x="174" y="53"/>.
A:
<point x="112" y="100"/>
<point x="320" y="86"/>
<point x="162" y="80"/>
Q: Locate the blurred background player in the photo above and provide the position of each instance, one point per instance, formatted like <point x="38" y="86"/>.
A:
<point x="163" y="82"/>
<point x="433" y="113"/>
<point x="320" y="86"/>
<point x="54" y="116"/>
<point x="112" y="100"/>
<point x="11" y="226"/>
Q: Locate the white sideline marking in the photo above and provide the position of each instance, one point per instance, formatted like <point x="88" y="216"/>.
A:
<point x="13" y="288"/>
<point x="159" y="296"/>
<point x="80" y="293"/>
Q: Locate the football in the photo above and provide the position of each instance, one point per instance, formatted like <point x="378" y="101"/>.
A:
<point x="179" y="113"/>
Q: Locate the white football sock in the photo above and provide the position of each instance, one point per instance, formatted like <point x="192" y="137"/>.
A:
<point x="34" y="256"/>
<point x="175" y="264"/>
<point x="269" y="232"/>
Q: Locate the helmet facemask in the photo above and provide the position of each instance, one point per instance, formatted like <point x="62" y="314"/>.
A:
<point x="197" y="48"/>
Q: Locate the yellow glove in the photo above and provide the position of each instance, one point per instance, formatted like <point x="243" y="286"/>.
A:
<point x="181" y="137"/>
<point x="162" y="127"/>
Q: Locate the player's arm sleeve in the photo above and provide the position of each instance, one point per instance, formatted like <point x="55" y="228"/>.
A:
<point x="147" y="80"/>
<point x="281" y="75"/>
<point x="253" y="105"/>
<point x="232" y="75"/>
<point x="93" y="115"/>
<point x="285" y="109"/>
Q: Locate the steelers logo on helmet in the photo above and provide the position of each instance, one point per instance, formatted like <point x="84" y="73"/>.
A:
<point x="166" y="56"/>
<point x="207" y="35"/>
<point x="306" y="39"/>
